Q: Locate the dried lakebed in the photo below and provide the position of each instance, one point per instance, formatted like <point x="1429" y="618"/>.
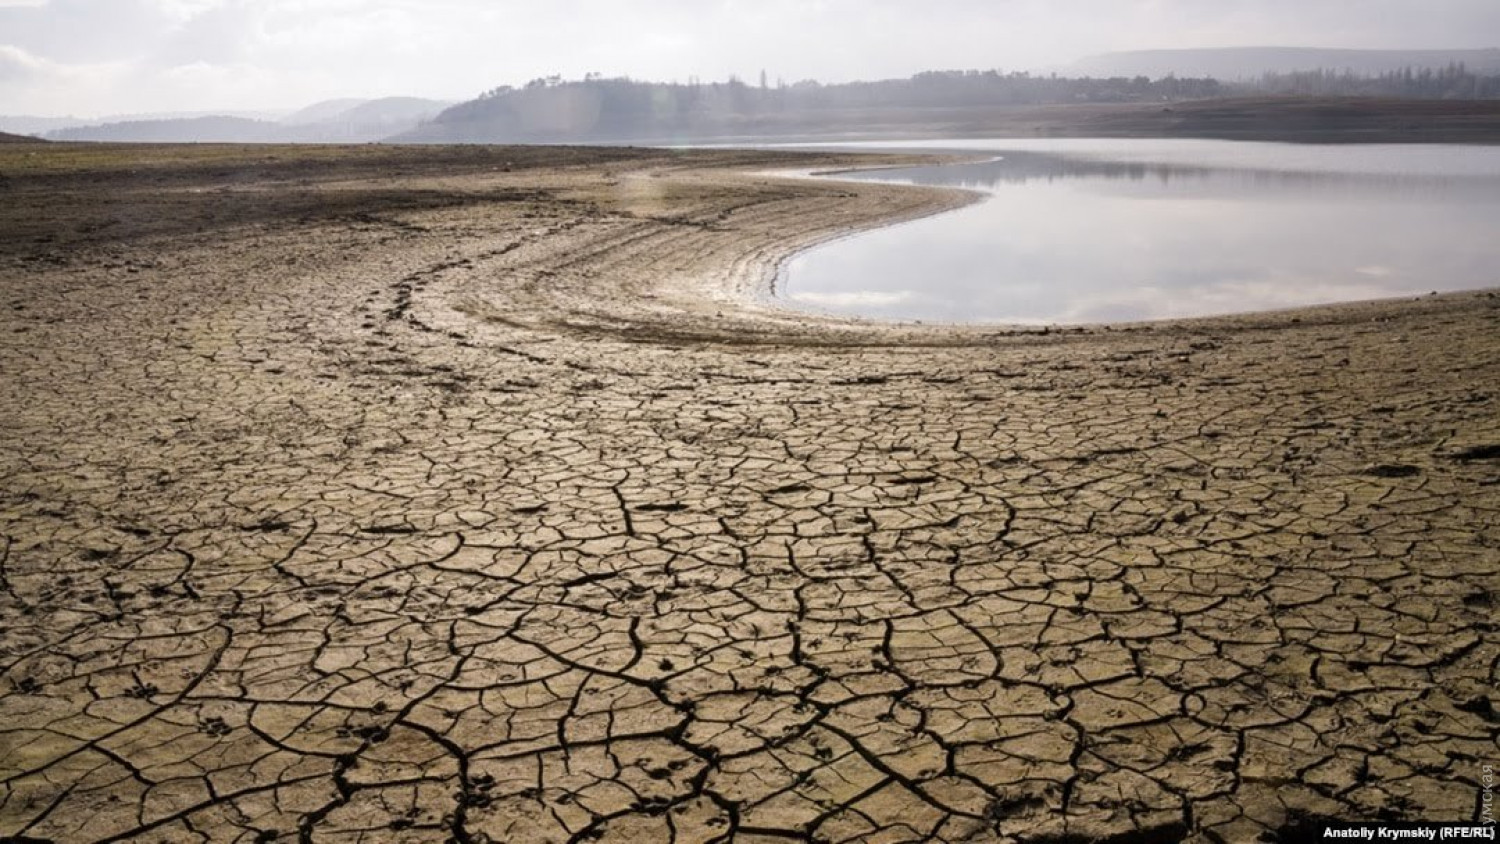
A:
<point x="465" y="494"/>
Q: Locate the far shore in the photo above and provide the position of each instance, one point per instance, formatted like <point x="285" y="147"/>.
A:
<point x="1323" y="120"/>
<point x="1320" y="120"/>
<point x="1344" y="120"/>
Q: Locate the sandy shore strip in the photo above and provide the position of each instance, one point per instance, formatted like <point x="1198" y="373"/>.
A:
<point x="426" y="494"/>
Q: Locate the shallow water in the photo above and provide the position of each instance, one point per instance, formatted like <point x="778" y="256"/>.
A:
<point x="1113" y="230"/>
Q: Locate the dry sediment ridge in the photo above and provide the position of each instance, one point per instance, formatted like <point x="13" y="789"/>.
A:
<point x="462" y="494"/>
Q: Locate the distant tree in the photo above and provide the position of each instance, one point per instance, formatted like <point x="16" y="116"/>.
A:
<point x="622" y="109"/>
<point x="1454" y="81"/>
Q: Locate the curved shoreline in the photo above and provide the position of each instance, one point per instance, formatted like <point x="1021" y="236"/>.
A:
<point x="729" y="294"/>
<point x="732" y="298"/>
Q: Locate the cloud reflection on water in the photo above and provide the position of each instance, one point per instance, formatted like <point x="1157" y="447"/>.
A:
<point x="1086" y="238"/>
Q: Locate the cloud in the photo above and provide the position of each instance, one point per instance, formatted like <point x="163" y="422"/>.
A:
<point x="17" y="65"/>
<point x="854" y="299"/>
<point x="31" y="84"/>
<point x="85" y="31"/>
<point x="216" y="35"/>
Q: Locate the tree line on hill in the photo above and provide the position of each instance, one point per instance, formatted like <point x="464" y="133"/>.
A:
<point x="929" y="88"/>
<point x="1454" y="82"/>
<point x="596" y="108"/>
<point x="616" y="109"/>
<point x="599" y="109"/>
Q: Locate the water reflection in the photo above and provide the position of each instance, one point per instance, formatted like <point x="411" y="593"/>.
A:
<point x="1023" y="167"/>
<point x="1088" y="237"/>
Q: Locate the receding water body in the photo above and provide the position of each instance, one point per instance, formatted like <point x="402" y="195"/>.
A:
<point x="1074" y="231"/>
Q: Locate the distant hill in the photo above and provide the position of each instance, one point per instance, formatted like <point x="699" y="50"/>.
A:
<point x="20" y="124"/>
<point x="190" y="130"/>
<point x="393" y="110"/>
<point x="959" y="104"/>
<point x="321" y="111"/>
<point x="364" y="120"/>
<point x="333" y="121"/>
<point x="7" y="138"/>
<point x="26" y="125"/>
<point x="628" y="111"/>
<point x="42" y="126"/>
<point x="1246" y="63"/>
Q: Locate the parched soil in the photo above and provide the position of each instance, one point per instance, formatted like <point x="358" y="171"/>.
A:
<point x="481" y="494"/>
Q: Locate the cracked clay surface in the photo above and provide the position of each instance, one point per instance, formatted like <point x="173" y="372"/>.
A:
<point x="468" y="494"/>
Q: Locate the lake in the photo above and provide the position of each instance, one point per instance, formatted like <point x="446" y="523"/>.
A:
<point x="1077" y="231"/>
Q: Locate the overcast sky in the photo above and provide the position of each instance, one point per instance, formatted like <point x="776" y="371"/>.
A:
<point x="96" y="57"/>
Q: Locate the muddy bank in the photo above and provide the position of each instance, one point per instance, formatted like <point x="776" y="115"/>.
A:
<point x="470" y="497"/>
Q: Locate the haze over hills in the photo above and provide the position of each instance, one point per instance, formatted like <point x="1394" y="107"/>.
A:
<point x="25" y="124"/>
<point x="624" y="110"/>
<point x="216" y="129"/>
<point x="20" y="124"/>
<point x="957" y="103"/>
<point x="1233" y="64"/>
<point x="321" y="111"/>
<point x="332" y="121"/>
<point x="377" y="119"/>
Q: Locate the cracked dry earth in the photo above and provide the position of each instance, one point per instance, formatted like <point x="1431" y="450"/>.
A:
<point x="468" y="494"/>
